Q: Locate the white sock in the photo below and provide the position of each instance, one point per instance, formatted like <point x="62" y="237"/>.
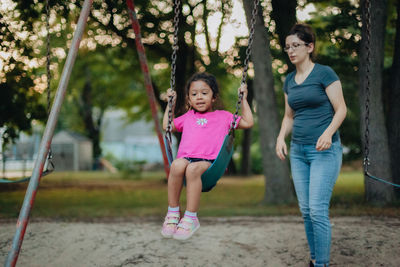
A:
<point x="192" y="215"/>
<point x="173" y="209"/>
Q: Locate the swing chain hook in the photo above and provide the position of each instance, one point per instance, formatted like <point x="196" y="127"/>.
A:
<point x="246" y="63"/>
<point x="367" y="7"/>
<point x="175" y="48"/>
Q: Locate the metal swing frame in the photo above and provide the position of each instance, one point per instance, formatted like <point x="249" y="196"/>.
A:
<point x="44" y="148"/>
<point x="46" y="139"/>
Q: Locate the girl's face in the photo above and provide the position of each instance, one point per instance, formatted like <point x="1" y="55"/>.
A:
<point x="201" y="96"/>
<point x="297" y="50"/>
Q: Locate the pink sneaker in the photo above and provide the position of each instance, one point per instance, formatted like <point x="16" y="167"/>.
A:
<point x="170" y="223"/>
<point x="186" y="228"/>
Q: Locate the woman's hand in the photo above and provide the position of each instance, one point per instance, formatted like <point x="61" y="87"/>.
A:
<point x="324" y="142"/>
<point x="281" y="148"/>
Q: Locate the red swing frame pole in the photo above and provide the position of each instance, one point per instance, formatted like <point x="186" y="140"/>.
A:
<point x="46" y="139"/>
<point x="147" y="79"/>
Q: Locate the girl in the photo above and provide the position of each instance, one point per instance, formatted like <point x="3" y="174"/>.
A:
<point x="314" y="110"/>
<point x="203" y="131"/>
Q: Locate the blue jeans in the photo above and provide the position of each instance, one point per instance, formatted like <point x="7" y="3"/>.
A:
<point x="314" y="176"/>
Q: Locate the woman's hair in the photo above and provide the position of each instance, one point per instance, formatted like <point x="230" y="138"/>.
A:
<point x="209" y="79"/>
<point x="305" y="33"/>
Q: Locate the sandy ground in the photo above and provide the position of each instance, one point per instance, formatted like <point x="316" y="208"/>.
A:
<point x="238" y="241"/>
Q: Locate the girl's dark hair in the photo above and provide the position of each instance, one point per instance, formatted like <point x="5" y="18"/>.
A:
<point x="305" y="33"/>
<point x="208" y="78"/>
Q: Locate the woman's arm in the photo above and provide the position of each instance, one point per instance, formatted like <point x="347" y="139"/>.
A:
<point x="246" y="121"/>
<point x="286" y="128"/>
<point x="170" y="93"/>
<point x="335" y="95"/>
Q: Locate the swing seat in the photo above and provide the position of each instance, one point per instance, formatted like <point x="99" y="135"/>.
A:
<point x="7" y="181"/>
<point x="211" y="176"/>
<point x="21" y="180"/>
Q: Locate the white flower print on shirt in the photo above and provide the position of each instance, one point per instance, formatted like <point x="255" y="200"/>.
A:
<point x="202" y="121"/>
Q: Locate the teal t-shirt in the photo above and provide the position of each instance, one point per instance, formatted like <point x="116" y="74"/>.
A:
<point x="313" y="112"/>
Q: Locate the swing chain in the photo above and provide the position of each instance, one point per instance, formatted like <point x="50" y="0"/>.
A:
<point x="251" y="38"/>
<point x="175" y="48"/>
<point x="50" y="155"/>
<point x="367" y="87"/>
<point x="366" y="161"/>
<point x="246" y="62"/>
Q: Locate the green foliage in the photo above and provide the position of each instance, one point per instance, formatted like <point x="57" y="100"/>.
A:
<point x="19" y="98"/>
<point x="19" y="104"/>
<point x="110" y="75"/>
<point x="128" y="169"/>
<point x="256" y="159"/>
<point x="109" y="62"/>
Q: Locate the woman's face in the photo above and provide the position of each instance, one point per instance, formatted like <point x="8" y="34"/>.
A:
<point x="298" y="50"/>
<point x="201" y="96"/>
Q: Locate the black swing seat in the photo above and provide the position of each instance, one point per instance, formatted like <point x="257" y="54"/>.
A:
<point x="211" y="176"/>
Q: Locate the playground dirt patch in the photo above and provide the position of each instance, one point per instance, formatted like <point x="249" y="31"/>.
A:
<point x="228" y="241"/>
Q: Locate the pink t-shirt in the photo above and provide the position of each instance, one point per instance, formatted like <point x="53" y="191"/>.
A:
<point x="202" y="133"/>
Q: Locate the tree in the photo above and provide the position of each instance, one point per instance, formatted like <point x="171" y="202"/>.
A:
<point x="376" y="193"/>
<point x="247" y="136"/>
<point x="101" y="80"/>
<point x="20" y="103"/>
<point x="156" y="29"/>
<point x="278" y="185"/>
<point x="284" y="15"/>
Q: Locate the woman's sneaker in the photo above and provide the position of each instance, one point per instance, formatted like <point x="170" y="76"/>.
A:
<point x="170" y="223"/>
<point x="186" y="228"/>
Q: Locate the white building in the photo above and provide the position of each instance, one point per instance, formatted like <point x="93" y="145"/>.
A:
<point x="72" y="152"/>
<point x="135" y="141"/>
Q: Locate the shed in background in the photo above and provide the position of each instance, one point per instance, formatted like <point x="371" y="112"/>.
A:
<point x="72" y="152"/>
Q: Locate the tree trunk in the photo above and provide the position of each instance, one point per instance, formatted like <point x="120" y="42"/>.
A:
<point x="92" y="128"/>
<point x="278" y="185"/>
<point x="377" y="193"/>
<point x="284" y="14"/>
<point x="246" y="143"/>
<point x="231" y="169"/>
<point x="180" y="78"/>
<point x="393" y="120"/>
<point x="182" y="65"/>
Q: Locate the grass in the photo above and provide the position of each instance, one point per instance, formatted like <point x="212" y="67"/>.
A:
<point x="91" y="195"/>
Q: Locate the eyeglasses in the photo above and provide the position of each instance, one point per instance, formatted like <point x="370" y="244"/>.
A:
<point x="294" y="46"/>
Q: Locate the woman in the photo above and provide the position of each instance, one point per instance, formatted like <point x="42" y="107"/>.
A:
<point x="314" y="110"/>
